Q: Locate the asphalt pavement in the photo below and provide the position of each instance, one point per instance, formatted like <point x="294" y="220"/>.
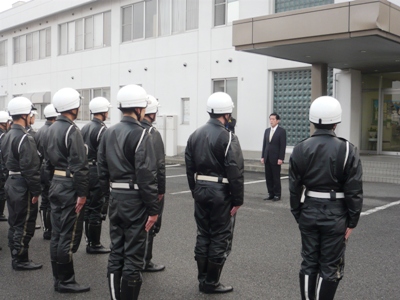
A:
<point x="265" y="258"/>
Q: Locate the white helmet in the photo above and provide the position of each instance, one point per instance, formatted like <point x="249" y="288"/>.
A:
<point x="19" y="106"/>
<point x="50" y="112"/>
<point x="4" y="117"/>
<point x="132" y="95"/>
<point x="220" y="103"/>
<point x="325" y="110"/>
<point x="153" y="106"/>
<point x="99" y="105"/>
<point x="66" y="99"/>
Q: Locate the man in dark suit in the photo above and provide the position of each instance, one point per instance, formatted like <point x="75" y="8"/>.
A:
<point x="272" y="156"/>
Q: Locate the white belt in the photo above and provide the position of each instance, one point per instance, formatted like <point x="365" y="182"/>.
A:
<point x="338" y="195"/>
<point x="123" y="186"/>
<point x="62" y="173"/>
<point x="14" y="173"/>
<point x="212" y="178"/>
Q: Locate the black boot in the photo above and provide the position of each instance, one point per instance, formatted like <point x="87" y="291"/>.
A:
<point x="114" y="284"/>
<point x="202" y="263"/>
<point x="67" y="283"/>
<point x="23" y="263"/>
<point x="326" y="289"/>
<point x="45" y="214"/>
<point x="130" y="289"/>
<point x="55" y="275"/>
<point x="94" y="246"/>
<point x="212" y="284"/>
<point x="149" y="265"/>
<point x="307" y="286"/>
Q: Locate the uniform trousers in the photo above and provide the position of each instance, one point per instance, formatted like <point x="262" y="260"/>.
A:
<point x="128" y="217"/>
<point x="95" y="201"/>
<point x="21" y="215"/>
<point x="323" y="224"/>
<point x="67" y="225"/>
<point x="215" y="224"/>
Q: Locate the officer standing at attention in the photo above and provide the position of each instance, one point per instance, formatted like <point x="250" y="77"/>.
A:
<point x="214" y="168"/>
<point x="19" y="154"/>
<point x="50" y="114"/>
<point x="329" y="168"/>
<point x="4" y="126"/>
<point x="65" y="157"/>
<point x="148" y="120"/>
<point x="126" y="162"/>
<point x="92" y="134"/>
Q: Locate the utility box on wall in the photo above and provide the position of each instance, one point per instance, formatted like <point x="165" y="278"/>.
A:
<point x="160" y="125"/>
<point x="171" y="128"/>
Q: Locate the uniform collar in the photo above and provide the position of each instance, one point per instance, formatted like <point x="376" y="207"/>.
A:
<point x="216" y="122"/>
<point x="48" y="123"/>
<point x="17" y="126"/>
<point x="147" y="122"/>
<point x="130" y="120"/>
<point x="324" y="132"/>
<point x="97" y="121"/>
<point x="65" y="119"/>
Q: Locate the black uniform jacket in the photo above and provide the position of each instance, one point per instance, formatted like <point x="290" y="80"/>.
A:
<point x="126" y="154"/>
<point x="276" y="148"/>
<point x="64" y="150"/>
<point x="92" y="134"/>
<point x="160" y="154"/>
<point x="39" y="137"/>
<point x="317" y="163"/>
<point x="19" y="154"/>
<point x="208" y="152"/>
<point x="3" y="169"/>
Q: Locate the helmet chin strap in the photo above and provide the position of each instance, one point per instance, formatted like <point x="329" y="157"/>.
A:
<point x="151" y="118"/>
<point x="138" y="114"/>
<point x="74" y="114"/>
<point x="103" y="116"/>
<point x="227" y="120"/>
<point x="26" y="121"/>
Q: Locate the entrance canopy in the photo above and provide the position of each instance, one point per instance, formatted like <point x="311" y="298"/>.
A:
<point x="362" y="35"/>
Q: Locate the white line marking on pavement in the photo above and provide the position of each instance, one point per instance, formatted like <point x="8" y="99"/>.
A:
<point x="171" y="166"/>
<point x="172" y="176"/>
<point x="183" y="192"/>
<point x="251" y="182"/>
<point x="371" y="211"/>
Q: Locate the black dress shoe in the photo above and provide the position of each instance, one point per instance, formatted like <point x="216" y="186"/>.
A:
<point x="3" y="218"/>
<point x="154" y="268"/>
<point x="269" y="197"/>
<point x="276" y="198"/>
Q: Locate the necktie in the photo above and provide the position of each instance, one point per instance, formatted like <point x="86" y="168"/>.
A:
<point x="271" y="133"/>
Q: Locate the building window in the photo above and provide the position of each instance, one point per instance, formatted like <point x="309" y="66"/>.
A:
<point x="143" y="20"/>
<point x="286" y="5"/>
<point x="32" y="46"/>
<point x="3" y="53"/>
<point x="185" y="110"/>
<point x="89" y="94"/>
<point x="292" y="98"/>
<point x="229" y="86"/>
<point x="225" y="11"/>
<point x="87" y="33"/>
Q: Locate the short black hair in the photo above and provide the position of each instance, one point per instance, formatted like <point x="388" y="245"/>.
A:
<point x="324" y="126"/>
<point x="276" y="116"/>
<point x="216" y="116"/>
<point x="16" y="117"/>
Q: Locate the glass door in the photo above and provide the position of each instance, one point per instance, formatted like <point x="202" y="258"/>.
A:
<point x="388" y="134"/>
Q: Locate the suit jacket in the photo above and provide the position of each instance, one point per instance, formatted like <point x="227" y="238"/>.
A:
<point x="274" y="150"/>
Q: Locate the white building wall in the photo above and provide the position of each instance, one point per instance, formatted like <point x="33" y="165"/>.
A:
<point x="156" y="63"/>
